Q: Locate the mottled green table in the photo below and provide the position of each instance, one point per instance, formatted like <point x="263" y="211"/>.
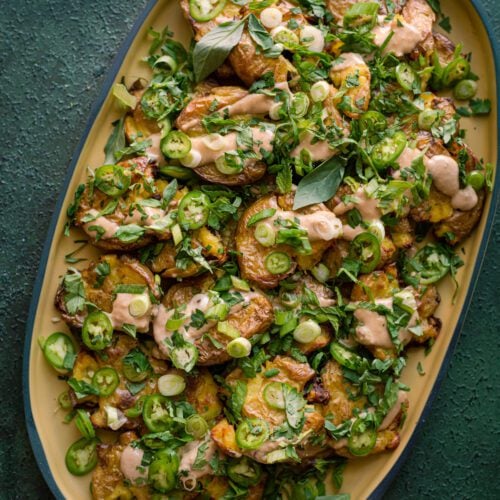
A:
<point x="54" y="55"/>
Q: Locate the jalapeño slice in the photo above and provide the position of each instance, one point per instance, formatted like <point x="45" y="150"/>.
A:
<point x="251" y="433"/>
<point x="407" y="77"/>
<point x="193" y="210"/>
<point x="244" y="472"/>
<point x="366" y="249"/>
<point x="278" y="263"/>
<point x="388" y="150"/>
<point x="59" y="351"/>
<point x="112" y="180"/>
<point x="457" y="70"/>
<point x="205" y="10"/>
<point x="81" y="456"/>
<point x="156" y="413"/>
<point x="175" y="145"/>
<point x="97" y="331"/>
<point x="362" y="439"/>
<point x="106" y="380"/>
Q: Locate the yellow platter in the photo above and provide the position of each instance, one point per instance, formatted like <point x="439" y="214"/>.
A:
<point x="364" y="478"/>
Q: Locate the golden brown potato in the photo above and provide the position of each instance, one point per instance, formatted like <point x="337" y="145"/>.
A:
<point x="294" y="374"/>
<point x="381" y="284"/>
<point x="248" y="64"/>
<point x="252" y="172"/>
<point x="99" y="289"/>
<point x="341" y="406"/>
<point x="142" y="176"/>
<point x="108" y="482"/>
<point x="207" y="100"/>
<point x="252" y="254"/>
<point x="418" y="13"/>
<point x="202" y="393"/>
<point x="163" y="260"/>
<point x="250" y="319"/>
<point x="444" y="48"/>
<point x="352" y="69"/>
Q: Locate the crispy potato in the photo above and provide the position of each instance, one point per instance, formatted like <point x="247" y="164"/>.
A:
<point x="202" y="393"/>
<point x="206" y="101"/>
<point x="418" y="13"/>
<point x="248" y="63"/>
<point x="252" y="254"/>
<point x="381" y="284"/>
<point x="108" y="482"/>
<point x="253" y="171"/>
<point x="292" y="373"/>
<point x="341" y="407"/>
<point x="444" y="48"/>
<point x="142" y="173"/>
<point x="353" y="68"/>
<point x="250" y="320"/>
<point x="163" y="258"/>
<point x="123" y="270"/>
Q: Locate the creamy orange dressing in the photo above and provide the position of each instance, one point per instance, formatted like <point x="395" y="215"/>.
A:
<point x="445" y="177"/>
<point x="108" y="225"/>
<point x="153" y="152"/>
<point x="368" y="207"/>
<point x="189" y="476"/>
<point x="348" y="60"/>
<point x="405" y="39"/>
<point x="152" y="214"/>
<point x="319" y="150"/>
<point x="262" y="139"/>
<point x="200" y="301"/>
<point x="130" y="464"/>
<point x="394" y="411"/>
<point x="322" y="225"/>
<point x="444" y="172"/>
<point x="120" y="313"/>
<point x="408" y="156"/>
<point x="372" y="328"/>
<point x="465" y="199"/>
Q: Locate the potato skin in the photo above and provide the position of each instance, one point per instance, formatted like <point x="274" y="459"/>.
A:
<point x="202" y="393"/>
<point x="253" y="171"/>
<point x="291" y="372"/>
<point x="341" y="407"/>
<point x="123" y="270"/>
<point x="140" y="168"/>
<point x="189" y="120"/>
<point x="108" y="481"/>
<point x="255" y="318"/>
<point x="252" y="254"/>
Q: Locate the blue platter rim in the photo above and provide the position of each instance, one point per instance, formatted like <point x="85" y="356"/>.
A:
<point x="36" y="444"/>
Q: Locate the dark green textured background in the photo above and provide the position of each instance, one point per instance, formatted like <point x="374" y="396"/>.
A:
<point x="54" y="55"/>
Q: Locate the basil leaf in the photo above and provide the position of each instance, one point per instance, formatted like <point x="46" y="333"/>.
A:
<point x="320" y="184"/>
<point x="213" y="48"/>
<point x="259" y="34"/>
<point x="116" y="142"/>
<point x="82" y="388"/>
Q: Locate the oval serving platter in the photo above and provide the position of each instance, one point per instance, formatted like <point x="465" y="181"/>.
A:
<point x="364" y="478"/>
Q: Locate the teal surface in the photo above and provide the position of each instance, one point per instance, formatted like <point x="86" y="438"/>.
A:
<point x="54" y="56"/>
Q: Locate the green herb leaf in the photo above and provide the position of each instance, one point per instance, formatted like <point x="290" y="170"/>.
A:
<point x="130" y="329"/>
<point x="116" y="141"/>
<point x="169" y="193"/>
<point x="129" y="233"/>
<point x="320" y="184"/>
<point x="259" y="34"/>
<point x="284" y="180"/>
<point x="480" y="106"/>
<point x="237" y="399"/>
<point x="294" y="406"/>
<point x="82" y="388"/>
<point x="74" y="298"/>
<point x="213" y="48"/>
<point x="263" y="214"/>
